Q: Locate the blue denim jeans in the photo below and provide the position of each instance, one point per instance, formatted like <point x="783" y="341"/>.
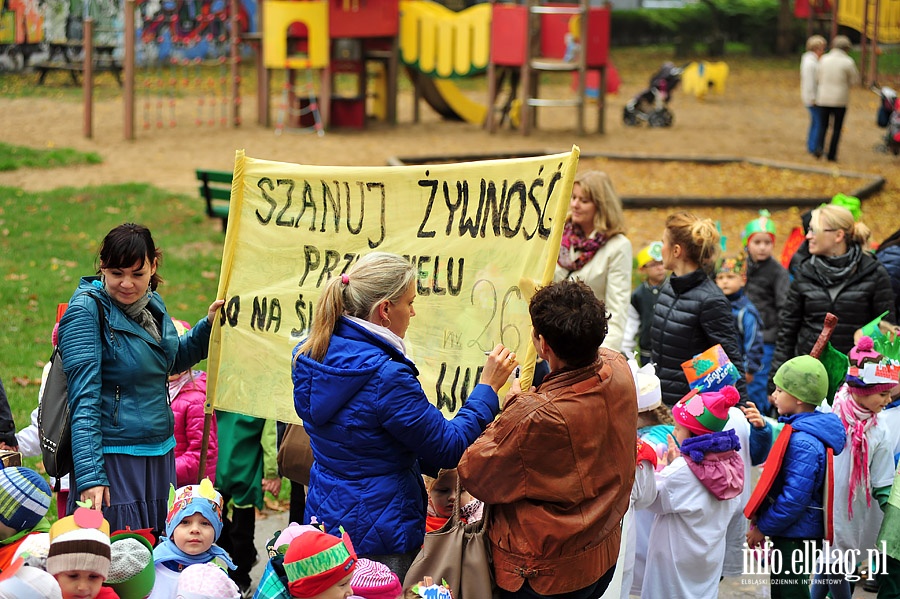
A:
<point x="836" y="583"/>
<point x="815" y="127"/>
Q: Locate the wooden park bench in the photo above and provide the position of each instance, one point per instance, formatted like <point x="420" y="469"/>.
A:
<point x="215" y="188"/>
<point x="61" y="59"/>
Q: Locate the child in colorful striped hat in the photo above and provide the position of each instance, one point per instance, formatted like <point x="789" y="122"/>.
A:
<point x="193" y="524"/>
<point x="24" y="501"/>
<point x="79" y="555"/>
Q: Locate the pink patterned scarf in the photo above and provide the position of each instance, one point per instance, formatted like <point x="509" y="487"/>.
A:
<point x="857" y="421"/>
<point x="577" y="248"/>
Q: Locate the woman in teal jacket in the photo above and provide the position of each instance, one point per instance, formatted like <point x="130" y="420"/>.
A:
<point x="122" y="426"/>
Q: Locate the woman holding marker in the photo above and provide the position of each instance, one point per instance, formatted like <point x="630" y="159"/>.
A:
<point x="369" y="421"/>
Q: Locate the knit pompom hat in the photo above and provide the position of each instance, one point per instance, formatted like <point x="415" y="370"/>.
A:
<point x="805" y="378"/>
<point x="316" y="561"/>
<point x="200" y="499"/>
<point x="206" y="581"/>
<point x="24" y="498"/>
<point x="706" y="412"/>
<point x="80" y="542"/>
<point x="374" y="580"/>
<point x="870" y="372"/>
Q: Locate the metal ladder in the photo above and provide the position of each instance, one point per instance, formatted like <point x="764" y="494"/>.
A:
<point x="535" y="64"/>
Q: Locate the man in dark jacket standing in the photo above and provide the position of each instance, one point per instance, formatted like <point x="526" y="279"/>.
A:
<point x="557" y="465"/>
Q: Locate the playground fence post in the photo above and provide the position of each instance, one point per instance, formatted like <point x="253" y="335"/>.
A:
<point x="129" y="69"/>
<point x="87" y="83"/>
<point x="235" y="65"/>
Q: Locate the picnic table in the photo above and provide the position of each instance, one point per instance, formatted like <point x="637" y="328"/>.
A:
<point x="67" y="56"/>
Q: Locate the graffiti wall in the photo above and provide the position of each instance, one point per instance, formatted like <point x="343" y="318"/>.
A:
<point x="167" y="30"/>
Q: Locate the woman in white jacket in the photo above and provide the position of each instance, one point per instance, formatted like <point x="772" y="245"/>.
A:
<point x="595" y="250"/>
<point x="809" y="62"/>
<point x="835" y="75"/>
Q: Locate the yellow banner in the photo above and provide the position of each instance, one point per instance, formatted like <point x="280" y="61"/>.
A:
<point x="482" y="235"/>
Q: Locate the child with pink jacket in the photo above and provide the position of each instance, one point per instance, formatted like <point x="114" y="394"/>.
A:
<point x="187" y="395"/>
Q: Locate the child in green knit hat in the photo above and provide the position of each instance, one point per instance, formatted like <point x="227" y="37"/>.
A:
<point x="792" y="512"/>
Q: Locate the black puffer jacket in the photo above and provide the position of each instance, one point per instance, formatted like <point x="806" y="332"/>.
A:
<point x="691" y="315"/>
<point x="767" y="286"/>
<point x="866" y="295"/>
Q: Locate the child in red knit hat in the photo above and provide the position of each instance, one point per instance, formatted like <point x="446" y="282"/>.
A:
<point x="698" y="492"/>
<point x="320" y="566"/>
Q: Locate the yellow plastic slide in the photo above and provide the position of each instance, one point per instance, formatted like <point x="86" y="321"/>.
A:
<point x="443" y="45"/>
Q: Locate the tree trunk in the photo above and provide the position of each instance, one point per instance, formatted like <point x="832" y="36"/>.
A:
<point x="784" y="41"/>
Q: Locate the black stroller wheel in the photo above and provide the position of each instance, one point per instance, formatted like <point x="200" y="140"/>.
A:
<point x="661" y="118"/>
<point x="629" y="118"/>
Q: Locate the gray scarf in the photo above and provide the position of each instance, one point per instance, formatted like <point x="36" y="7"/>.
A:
<point x="833" y="272"/>
<point x="139" y="313"/>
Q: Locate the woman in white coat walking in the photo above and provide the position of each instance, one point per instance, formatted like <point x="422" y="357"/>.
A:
<point x="835" y="75"/>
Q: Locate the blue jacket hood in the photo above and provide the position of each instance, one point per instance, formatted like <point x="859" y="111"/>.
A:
<point x="827" y="428"/>
<point x="322" y="389"/>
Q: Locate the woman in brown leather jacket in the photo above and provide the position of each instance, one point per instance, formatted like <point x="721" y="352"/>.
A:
<point x="557" y="465"/>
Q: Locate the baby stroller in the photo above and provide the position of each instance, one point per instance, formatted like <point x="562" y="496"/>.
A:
<point x="889" y="118"/>
<point x="651" y="105"/>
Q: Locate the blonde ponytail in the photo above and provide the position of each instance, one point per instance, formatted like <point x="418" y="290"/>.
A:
<point x="699" y="237"/>
<point x="375" y="278"/>
<point x="329" y="308"/>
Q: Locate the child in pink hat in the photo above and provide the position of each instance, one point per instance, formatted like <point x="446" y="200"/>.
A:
<point x="698" y="492"/>
<point x="864" y="472"/>
<point x="374" y="580"/>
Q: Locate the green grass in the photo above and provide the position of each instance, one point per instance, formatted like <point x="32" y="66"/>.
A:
<point x="48" y="240"/>
<point x="15" y="157"/>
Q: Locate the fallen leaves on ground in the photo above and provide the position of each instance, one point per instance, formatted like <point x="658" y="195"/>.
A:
<point x="636" y="178"/>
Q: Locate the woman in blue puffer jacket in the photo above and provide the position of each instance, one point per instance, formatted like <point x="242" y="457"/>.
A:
<point x="368" y="419"/>
<point x="117" y="371"/>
